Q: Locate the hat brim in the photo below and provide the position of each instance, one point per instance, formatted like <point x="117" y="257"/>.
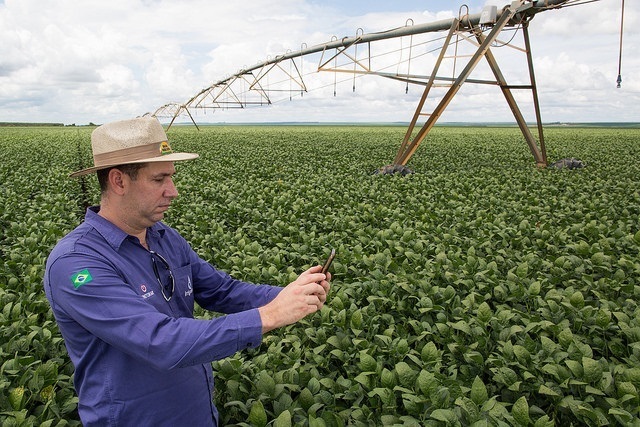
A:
<point x="173" y="157"/>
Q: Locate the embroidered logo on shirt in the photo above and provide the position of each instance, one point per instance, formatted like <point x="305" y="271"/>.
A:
<point x="146" y="294"/>
<point x="81" y="278"/>
<point x="190" y="290"/>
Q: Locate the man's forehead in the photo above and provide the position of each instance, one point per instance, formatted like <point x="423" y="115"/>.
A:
<point x="159" y="168"/>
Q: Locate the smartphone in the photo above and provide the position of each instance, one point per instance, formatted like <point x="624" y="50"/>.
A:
<point x="328" y="262"/>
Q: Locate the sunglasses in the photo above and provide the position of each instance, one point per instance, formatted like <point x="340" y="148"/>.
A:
<point x="166" y="288"/>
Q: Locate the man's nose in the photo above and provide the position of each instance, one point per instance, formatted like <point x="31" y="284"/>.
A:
<point x="171" y="191"/>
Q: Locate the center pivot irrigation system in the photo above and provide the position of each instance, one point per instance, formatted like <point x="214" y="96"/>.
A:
<point x="451" y="68"/>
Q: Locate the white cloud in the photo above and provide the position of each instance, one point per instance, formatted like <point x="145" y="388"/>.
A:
<point x="76" y="62"/>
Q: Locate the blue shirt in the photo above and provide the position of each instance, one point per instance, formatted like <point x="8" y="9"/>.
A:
<point x="141" y="360"/>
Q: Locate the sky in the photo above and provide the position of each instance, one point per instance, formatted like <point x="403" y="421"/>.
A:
<point x="71" y="62"/>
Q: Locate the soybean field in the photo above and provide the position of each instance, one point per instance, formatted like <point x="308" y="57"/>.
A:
<point x="478" y="291"/>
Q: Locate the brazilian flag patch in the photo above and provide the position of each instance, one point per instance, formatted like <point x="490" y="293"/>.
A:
<point x="81" y="278"/>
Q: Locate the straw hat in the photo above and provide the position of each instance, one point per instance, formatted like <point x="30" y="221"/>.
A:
<point x="138" y="140"/>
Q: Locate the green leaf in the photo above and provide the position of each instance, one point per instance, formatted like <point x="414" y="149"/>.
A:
<point x="257" y="414"/>
<point x="364" y="379"/>
<point x="565" y="337"/>
<point x="548" y="345"/>
<point x="599" y="258"/>
<point x="283" y="420"/>
<point x="386" y="395"/>
<point x="444" y="415"/>
<point x="621" y="415"/>
<point x="306" y="399"/>
<point x="478" y="391"/>
<point x="506" y="376"/>
<point x="462" y="326"/>
<point x="592" y="390"/>
<point x="633" y="376"/>
<point x="387" y="378"/>
<point x="520" y="411"/>
<point x="334" y="341"/>
<point x="577" y="299"/>
<point x="449" y="293"/>
<point x="521" y="353"/>
<point x="367" y="362"/>
<point x="471" y="409"/>
<point x="427" y="382"/>
<point x="406" y="375"/>
<point x="402" y="346"/>
<point x="626" y="388"/>
<point x="522" y="270"/>
<point x="534" y="288"/>
<point x="430" y="352"/>
<point x="603" y="318"/>
<point x="484" y="312"/>
<point x="17" y="398"/>
<point x="265" y="384"/>
<point x="544" y="421"/>
<point x="316" y="422"/>
<point x="546" y="390"/>
<point x="356" y="319"/>
<point x="575" y="367"/>
<point x="592" y="370"/>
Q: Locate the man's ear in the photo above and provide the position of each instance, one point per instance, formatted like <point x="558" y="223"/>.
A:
<point x="117" y="180"/>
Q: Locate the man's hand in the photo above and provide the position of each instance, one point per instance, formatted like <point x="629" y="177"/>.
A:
<point x="305" y="295"/>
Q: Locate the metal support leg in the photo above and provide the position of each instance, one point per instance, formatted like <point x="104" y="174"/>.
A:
<point x="506" y="16"/>
<point x="506" y="91"/>
<point x="432" y="77"/>
<point x="534" y="92"/>
<point x="178" y="113"/>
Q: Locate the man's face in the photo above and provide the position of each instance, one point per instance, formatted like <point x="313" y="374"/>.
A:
<point x="148" y="196"/>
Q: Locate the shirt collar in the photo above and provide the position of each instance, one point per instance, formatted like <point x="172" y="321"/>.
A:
<point x="111" y="233"/>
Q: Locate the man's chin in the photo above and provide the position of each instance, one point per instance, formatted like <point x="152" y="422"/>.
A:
<point x="155" y="217"/>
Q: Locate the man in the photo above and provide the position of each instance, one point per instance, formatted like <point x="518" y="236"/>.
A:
<point x="122" y="287"/>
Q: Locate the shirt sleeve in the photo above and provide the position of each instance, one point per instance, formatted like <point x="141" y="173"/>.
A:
<point x="217" y="291"/>
<point x="107" y="307"/>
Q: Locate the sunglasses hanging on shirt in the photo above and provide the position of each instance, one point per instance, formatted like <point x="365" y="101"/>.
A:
<point x="168" y="286"/>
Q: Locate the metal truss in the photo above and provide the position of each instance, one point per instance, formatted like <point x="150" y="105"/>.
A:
<point x="284" y="74"/>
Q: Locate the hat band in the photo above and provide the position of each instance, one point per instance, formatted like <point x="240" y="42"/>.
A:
<point x="132" y="154"/>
